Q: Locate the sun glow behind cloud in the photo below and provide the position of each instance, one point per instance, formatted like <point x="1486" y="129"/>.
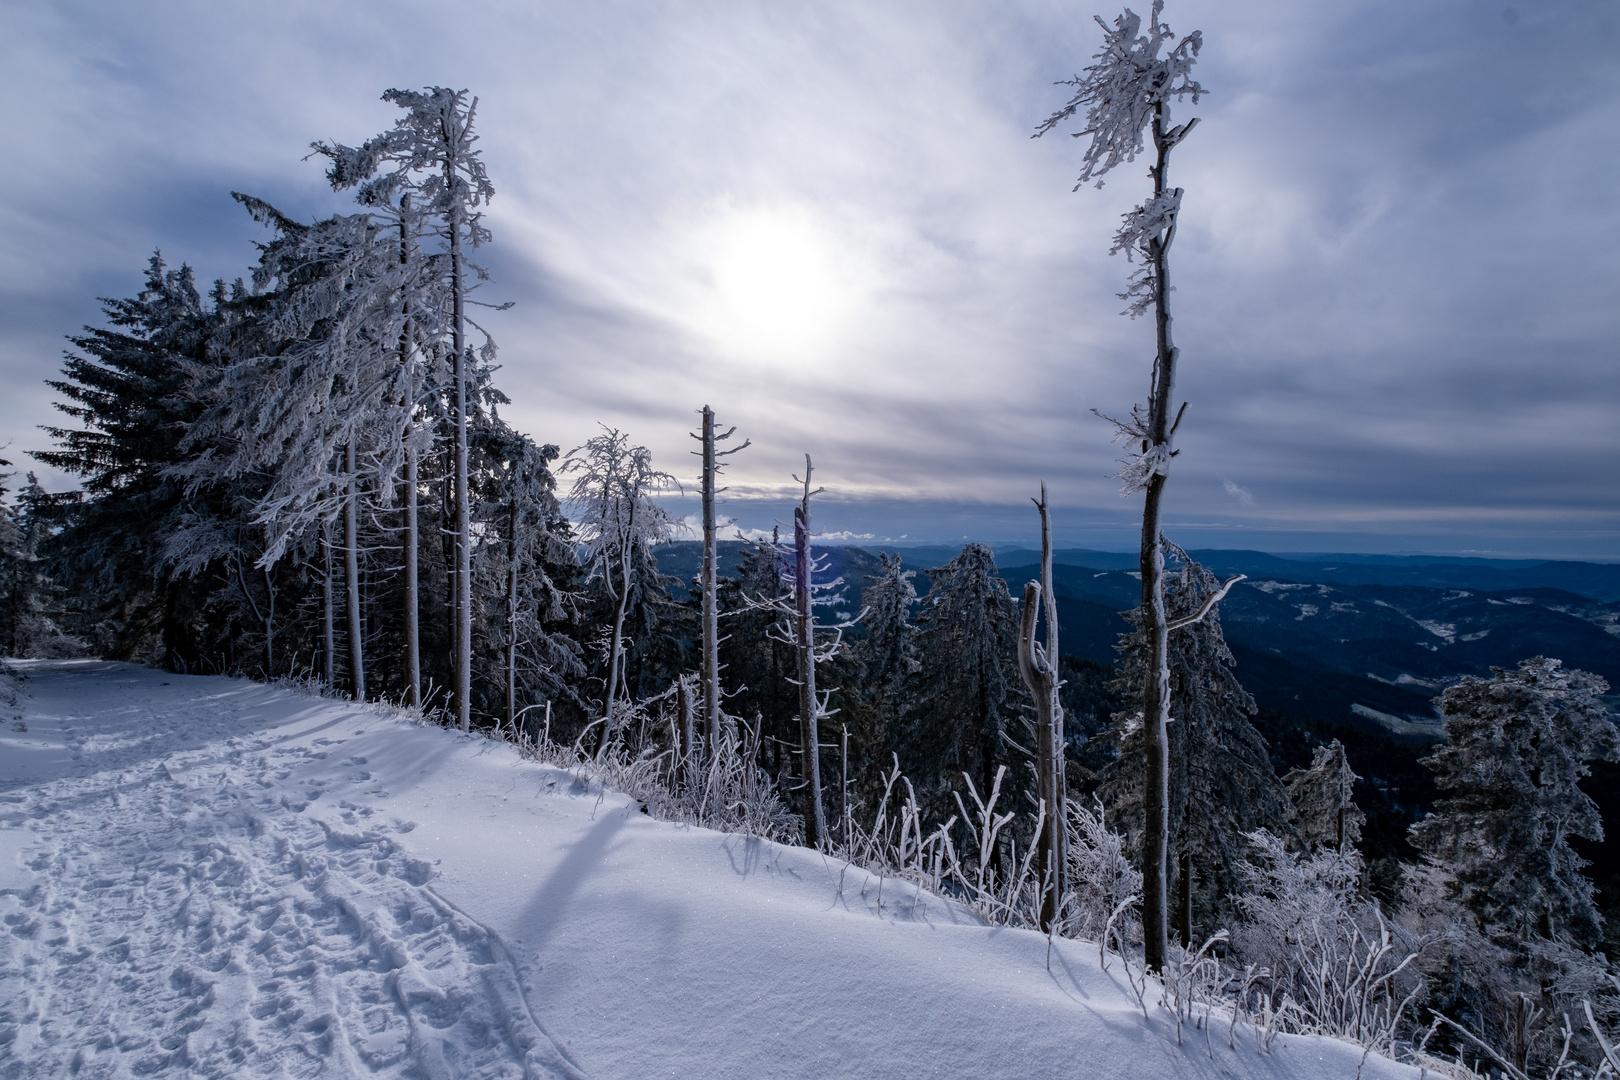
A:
<point x="780" y="286"/>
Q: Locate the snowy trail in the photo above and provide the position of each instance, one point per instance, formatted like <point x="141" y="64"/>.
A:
<point x="205" y="877"/>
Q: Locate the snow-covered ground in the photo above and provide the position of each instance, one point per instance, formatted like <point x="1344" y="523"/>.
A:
<point x="209" y="877"/>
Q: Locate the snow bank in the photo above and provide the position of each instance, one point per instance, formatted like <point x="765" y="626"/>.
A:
<point x="204" y="876"/>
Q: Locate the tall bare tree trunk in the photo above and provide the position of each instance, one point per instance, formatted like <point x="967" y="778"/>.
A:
<point x="1155" y="617"/>
<point x="688" y="732"/>
<point x="463" y="526"/>
<point x="1039" y="668"/>
<point x="511" y="616"/>
<point x="413" y="636"/>
<point x="711" y="606"/>
<point x="328" y="633"/>
<point x="351" y="573"/>
<point x="616" y="644"/>
<point x="815" y="817"/>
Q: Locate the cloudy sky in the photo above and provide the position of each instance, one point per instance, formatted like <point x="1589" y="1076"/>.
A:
<point x="1397" y="269"/>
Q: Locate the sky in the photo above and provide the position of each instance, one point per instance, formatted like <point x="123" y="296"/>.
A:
<point x="1396" y="271"/>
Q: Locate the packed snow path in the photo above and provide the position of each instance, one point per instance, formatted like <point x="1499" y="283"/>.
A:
<point x="207" y="877"/>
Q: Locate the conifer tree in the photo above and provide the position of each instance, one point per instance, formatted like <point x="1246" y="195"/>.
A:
<point x="620" y="524"/>
<point x="969" y="626"/>
<point x="1322" y="801"/>
<point x="1220" y="782"/>
<point x="888" y="654"/>
<point x="430" y="154"/>
<point x="130" y="387"/>
<point x="1516" y="749"/>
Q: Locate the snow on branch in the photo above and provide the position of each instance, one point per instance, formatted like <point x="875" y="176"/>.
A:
<point x="1145" y="228"/>
<point x="1139" y="467"/>
<point x="1121" y="92"/>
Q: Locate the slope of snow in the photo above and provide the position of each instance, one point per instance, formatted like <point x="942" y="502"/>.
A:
<point x="209" y="877"/>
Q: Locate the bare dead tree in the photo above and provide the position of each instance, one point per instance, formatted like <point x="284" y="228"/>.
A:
<point x="1126" y="92"/>
<point x="1039" y="667"/>
<point x="796" y="625"/>
<point x="710" y="671"/>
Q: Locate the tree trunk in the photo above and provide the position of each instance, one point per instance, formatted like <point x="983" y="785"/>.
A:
<point x="351" y="573"/>
<point x="688" y="732"/>
<point x="328" y="633"/>
<point x="1155" y="618"/>
<point x="711" y="609"/>
<point x="270" y="627"/>
<point x="815" y="818"/>
<point x="616" y="646"/>
<point x="463" y="526"/>
<point x="1039" y="668"/>
<point x="511" y="616"/>
<point x="1184" y="872"/>
<point x="413" y="636"/>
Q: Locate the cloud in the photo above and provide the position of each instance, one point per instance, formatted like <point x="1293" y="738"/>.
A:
<point x="1238" y="493"/>
<point x="831" y="225"/>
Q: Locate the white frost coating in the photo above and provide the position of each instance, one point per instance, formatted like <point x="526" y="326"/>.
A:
<point x="1138" y="468"/>
<point x="237" y="896"/>
<point x="1143" y="227"/>
<point x="1118" y="92"/>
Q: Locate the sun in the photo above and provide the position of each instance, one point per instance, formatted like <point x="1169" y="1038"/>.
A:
<point x="782" y="286"/>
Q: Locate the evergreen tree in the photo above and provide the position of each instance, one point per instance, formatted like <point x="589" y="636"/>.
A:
<point x="1221" y="783"/>
<point x="429" y="153"/>
<point x="1322" y="805"/>
<point x="759" y="666"/>
<point x="131" y="388"/>
<point x="620" y="524"/>
<point x="1516" y="749"/>
<point x="968" y="627"/>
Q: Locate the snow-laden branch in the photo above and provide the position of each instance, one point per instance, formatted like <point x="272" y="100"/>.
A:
<point x="1123" y="89"/>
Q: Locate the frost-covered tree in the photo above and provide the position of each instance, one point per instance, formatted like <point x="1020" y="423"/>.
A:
<point x="888" y="654"/>
<point x="1126" y="92"/>
<point x="796" y="624"/>
<point x="969" y="627"/>
<point x="612" y="498"/>
<point x="129" y="386"/>
<point x="1516" y="749"/>
<point x="1322" y="803"/>
<point x="313" y="399"/>
<point x="429" y="154"/>
<point x="1220" y="784"/>
<point x="523" y="574"/>
<point x="1038" y="665"/>
<point x="708" y="580"/>
<point x="760" y="665"/>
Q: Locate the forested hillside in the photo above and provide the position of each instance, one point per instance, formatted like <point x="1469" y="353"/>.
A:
<point x="1329" y="796"/>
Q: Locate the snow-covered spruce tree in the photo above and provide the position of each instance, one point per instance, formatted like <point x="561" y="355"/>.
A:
<point x="523" y="573"/>
<point x="1516" y="748"/>
<point x="969" y="629"/>
<point x="429" y="153"/>
<point x="1125" y="92"/>
<point x="888" y="654"/>
<point x="708" y="588"/>
<point x="761" y="665"/>
<point x="1038" y="666"/>
<point x="313" y="395"/>
<point x="129" y="386"/>
<point x="1219" y="782"/>
<point x="1499" y="851"/>
<point x="1322" y="804"/>
<point x="619" y="523"/>
<point x="30" y="593"/>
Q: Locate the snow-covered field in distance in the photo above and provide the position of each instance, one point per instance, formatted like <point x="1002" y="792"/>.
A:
<point x="209" y="877"/>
